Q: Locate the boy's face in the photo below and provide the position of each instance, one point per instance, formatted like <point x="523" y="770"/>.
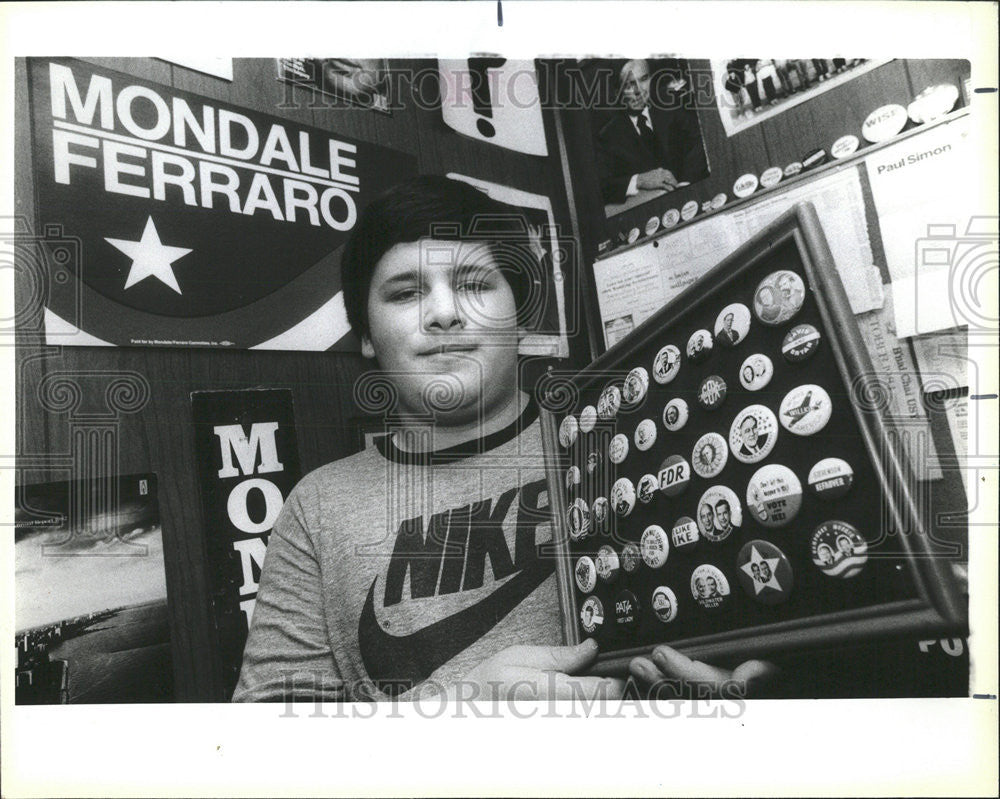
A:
<point x="444" y="308"/>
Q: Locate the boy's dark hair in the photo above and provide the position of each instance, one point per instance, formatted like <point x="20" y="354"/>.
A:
<point x="430" y="206"/>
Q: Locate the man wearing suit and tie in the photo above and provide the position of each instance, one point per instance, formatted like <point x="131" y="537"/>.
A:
<point x="646" y="146"/>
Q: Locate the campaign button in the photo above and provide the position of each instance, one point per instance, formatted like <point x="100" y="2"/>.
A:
<point x="645" y="434"/>
<point x="745" y="185"/>
<point x="636" y="385"/>
<point x="764" y="572"/>
<point x="607" y="564"/>
<point x="805" y="410"/>
<point x="666" y="364"/>
<point x="732" y="324"/>
<point x="578" y="519"/>
<point x="573" y="476"/>
<point x="623" y="496"/>
<point x="844" y="146"/>
<point x="718" y="201"/>
<point x="588" y="418"/>
<point x="599" y="512"/>
<point x="932" y="103"/>
<point x="586" y="574"/>
<point x="654" y="546"/>
<point x="771" y="177"/>
<point x="709" y="586"/>
<point x="712" y="392"/>
<point x="814" y="159"/>
<point x="674" y="475"/>
<point x="699" y="345"/>
<point x="778" y="297"/>
<point x="568" y="428"/>
<point x="630" y="557"/>
<point x="831" y="478"/>
<point x="684" y="534"/>
<point x="755" y="373"/>
<point x="626" y="610"/>
<point x="774" y="495"/>
<point x="593" y="461"/>
<point x="706" y="206"/>
<point x="719" y="512"/>
<point x="793" y="169"/>
<point x="618" y="448"/>
<point x="800" y="343"/>
<point x="689" y="210"/>
<point x="675" y="414"/>
<point x="591" y="614"/>
<point x="652" y="225"/>
<point x="664" y="604"/>
<point x="609" y="402"/>
<point x="709" y="456"/>
<point x="645" y="489"/>
<point x="670" y="218"/>
<point x="633" y="235"/>
<point x="753" y="434"/>
<point x="838" y="549"/>
<point x="883" y="123"/>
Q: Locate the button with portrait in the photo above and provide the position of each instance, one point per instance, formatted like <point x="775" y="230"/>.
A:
<point x="774" y="495"/>
<point x="599" y="513"/>
<point x="709" y="586"/>
<point x="607" y="564"/>
<point x="609" y="402"/>
<point x="670" y="217"/>
<point x="586" y="574"/>
<point x="622" y="496"/>
<point x="578" y="519"/>
<point x="588" y="418"/>
<point x="838" y="549"/>
<point x="699" y="346"/>
<point x="805" y="410"/>
<point x="626" y="610"/>
<point x="719" y="512"/>
<point x="654" y="546"/>
<point x="778" y="297"/>
<point x="635" y="386"/>
<point x="591" y="614"/>
<point x="666" y="364"/>
<point x="630" y="557"/>
<point x="645" y="489"/>
<point x="764" y="572"/>
<point x="675" y="414"/>
<point x="800" y="343"/>
<point x="674" y="475"/>
<point x="593" y="462"/>
<point x="755" y="373"/>
<point x="618" y="448"/>
<point x="753" y="434"/>
<point x="664" y="604"/>
<point x="831" y="478"/>
<point x="712" y="392"/>
<point x="573" y="476"/>
<point x="684" y="533"/>
<point x="732" y="324"/>
<point x="709" y="456"/>
<point x="645" y="434"/>
<point x="568" y="428"/>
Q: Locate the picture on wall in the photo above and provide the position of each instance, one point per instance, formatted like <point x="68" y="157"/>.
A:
<point x="360" y="82"/>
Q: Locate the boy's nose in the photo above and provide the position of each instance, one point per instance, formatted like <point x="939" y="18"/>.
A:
<point x="441" y="309"/>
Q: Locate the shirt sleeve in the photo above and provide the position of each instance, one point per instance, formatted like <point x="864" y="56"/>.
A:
<point x="288" y="655"/>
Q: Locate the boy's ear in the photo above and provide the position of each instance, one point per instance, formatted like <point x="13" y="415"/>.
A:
<point x="367" y="350"/>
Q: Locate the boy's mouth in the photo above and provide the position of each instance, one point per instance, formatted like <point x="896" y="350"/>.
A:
<point x="444" y="349"/>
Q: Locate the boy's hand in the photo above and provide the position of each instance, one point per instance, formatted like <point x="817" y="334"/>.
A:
<point x="700" y="679"/>
<point x="543" y="672"/>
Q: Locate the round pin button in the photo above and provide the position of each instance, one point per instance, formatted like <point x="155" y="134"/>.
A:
<point x="699" y="346"/>
<point x="588" y="418"/>
<point x="756" y="372"/>
<point x="609" y="402"/>
<point x="706" y="206"/>
<point x="666" y="364"/>
<point x="712" y="392"/>
<point x="626" y="610"/>
<point x="883" y="123"/>
<point x="800" y="343"/>
<point x="719" y="511"/>
<point x="838" y="549"/>
<point x="675" y="414"/>
<point x="645" y="489"/>
<point x="573" y="476"/>
<point x="645" y="434"/>
<point x="593" y="461"/>
<point x="753" y="434"/>
<point x="630" y="557"/>
<point x="709" y="455"/>
<point x="674" y="475"/>
<point x="652" y="225"/>
<point x="778" y="297"/>
<point x="745" y="185"/>
<point x="718" y="201"/>
<point x="764" y="572"/>
<point x="771" y="177"/>
<point x="709" y="586"/>
<point x="844" y="146"/>
<point x="831" y="478"/>
<point x="688" y="210"/>
<point x="774" y="495"/>
<point x="633" y="235"/>
<point x="793" y="169"/>
<point x="591" y="614"/>
<point x="578" y="519"/>
<point x="814" y="159"/>
<point x="654" y="546"/>
<point x="932" y="103"/>
<point x="599" y="513"/>
<point x="732" y="324"/>
<point x="684" y="533"/>
<point x="623" y="496"/>
<point x="568" y="429"/>
<point x="607" y="564"/>
<point x="636" y="385"/>
<point x="670" y="217"/>
<point x="664" y="604"/>
<point x="618" y="448"/>
<point x="805" y="410"/>
<point x="586" y="574"/>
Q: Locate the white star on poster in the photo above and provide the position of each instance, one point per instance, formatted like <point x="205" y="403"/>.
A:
<point x="770" y="566"/>
<point x="150" y="257"/>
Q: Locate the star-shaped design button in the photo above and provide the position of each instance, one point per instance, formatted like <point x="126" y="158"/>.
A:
<point x="766" y="568"/>
<point x="150" y="257"/>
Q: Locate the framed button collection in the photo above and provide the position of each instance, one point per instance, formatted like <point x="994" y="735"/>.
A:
<point x="725" y="482"/>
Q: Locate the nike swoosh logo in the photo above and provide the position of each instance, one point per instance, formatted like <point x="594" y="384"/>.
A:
<point x="397" y="663"/>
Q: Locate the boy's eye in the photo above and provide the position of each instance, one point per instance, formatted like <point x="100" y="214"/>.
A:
<point x="403" y="295"/>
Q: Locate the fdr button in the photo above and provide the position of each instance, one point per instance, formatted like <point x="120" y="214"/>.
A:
<point x="635" y="386"/>
<point x="684" y="534"/>
<point x="588" y="418"/>
<point x="591" y="614"/>
<point x="732" y="324"/>
<point x="838" y="549"/>
<point x="709" y="587"/>
<point x="609" y="402"/>
<point x="586" y="574"/>
<point x="645" y="434"/>
<point x="800" y="343"/>
<point x="709" y="455"/>
<point x="622" y="496"/>
<point x="618" y="448"/>
<point x="607" y="564"/>
<point x="626" y="610"/>
<point x="645" y="489"/>
<point x="831" y="478"/>
<point x="719" y="512"/>
<point x="578" y="519"/>
<point x="764" y="572"/>
<point x="654" y="546"/>
<point x="664" y="604"/>
<point x="778" y="297"/>
<point x="753" y="434"/>
<point x="675" y="414"/>
<point x="666" y="364"/>
<point x="712" y="392"/>
<point x="805" y="410"/>
<point x="699" y="346"/>
<point x="674" y="475"/>
<point x="755" y="373"/>
<point x="774" y="495"/>
<point x="630" y="557"/>
<point x="568" y="430"/>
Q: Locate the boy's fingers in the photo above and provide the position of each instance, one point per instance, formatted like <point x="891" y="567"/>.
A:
<point x="673" y="664"/>
<point x="755" y="673"/>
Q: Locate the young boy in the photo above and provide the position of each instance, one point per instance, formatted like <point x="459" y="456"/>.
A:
<point x="419" y="563"/>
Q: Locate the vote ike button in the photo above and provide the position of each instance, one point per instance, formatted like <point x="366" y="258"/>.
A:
<point x="674" y="475"/>
<point x="800" y="343"/>
<point x="626" y="610"/>
<point x="774" y="495"/>
<point x="764" y="572"/>
<point x="831" y="478"/>
<point x="684" y="534"/>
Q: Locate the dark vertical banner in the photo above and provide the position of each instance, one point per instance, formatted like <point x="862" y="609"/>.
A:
<point x="248" y="462"/>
